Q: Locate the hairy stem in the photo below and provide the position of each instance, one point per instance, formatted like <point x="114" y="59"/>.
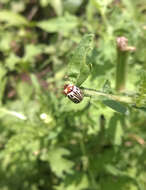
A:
<point x="95" y="93"/>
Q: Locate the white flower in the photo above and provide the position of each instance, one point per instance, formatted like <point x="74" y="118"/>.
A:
<point x="43" y="116"/>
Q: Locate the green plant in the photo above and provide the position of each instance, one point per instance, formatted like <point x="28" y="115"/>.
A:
<point x="47" y="141"/>
<point x="79" y="70"/>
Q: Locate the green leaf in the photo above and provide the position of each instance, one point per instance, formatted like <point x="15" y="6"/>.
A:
<point x="11" y="61"/>
<point x="72" y="5"/>
<point x="118" y="107"/>
<point x="60" y="24"/>
<point x="79" y="66"/>
<point x="101" y="5"/>
<point x="12" y="18"/>
<point x="5" y="39"/>
<point x="112" y="169"/>
<point x="107" y="87"/>
<point x="31" y="51"/>
<point x="57" y="5"/>
<point x="83" y="184"/>
<point x="58" y="163"/>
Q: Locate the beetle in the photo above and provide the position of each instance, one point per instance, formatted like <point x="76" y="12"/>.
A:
<point x="73" y="93"/>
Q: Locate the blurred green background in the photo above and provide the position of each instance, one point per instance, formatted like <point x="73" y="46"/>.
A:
<point x="46" y="141"/>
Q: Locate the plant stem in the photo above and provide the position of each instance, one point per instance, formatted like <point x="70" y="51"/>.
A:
<point x="121" y="68"/>
<point x="123" y="50"/>
<point x="94" y="93"/>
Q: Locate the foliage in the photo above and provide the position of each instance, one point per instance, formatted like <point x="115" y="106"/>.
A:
<point x="47" y="141"/>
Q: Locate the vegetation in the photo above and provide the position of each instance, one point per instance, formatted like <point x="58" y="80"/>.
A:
<point x="47" y="142"/>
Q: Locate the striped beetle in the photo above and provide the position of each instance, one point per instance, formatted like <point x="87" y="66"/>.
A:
<point x="73" y="93"/>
